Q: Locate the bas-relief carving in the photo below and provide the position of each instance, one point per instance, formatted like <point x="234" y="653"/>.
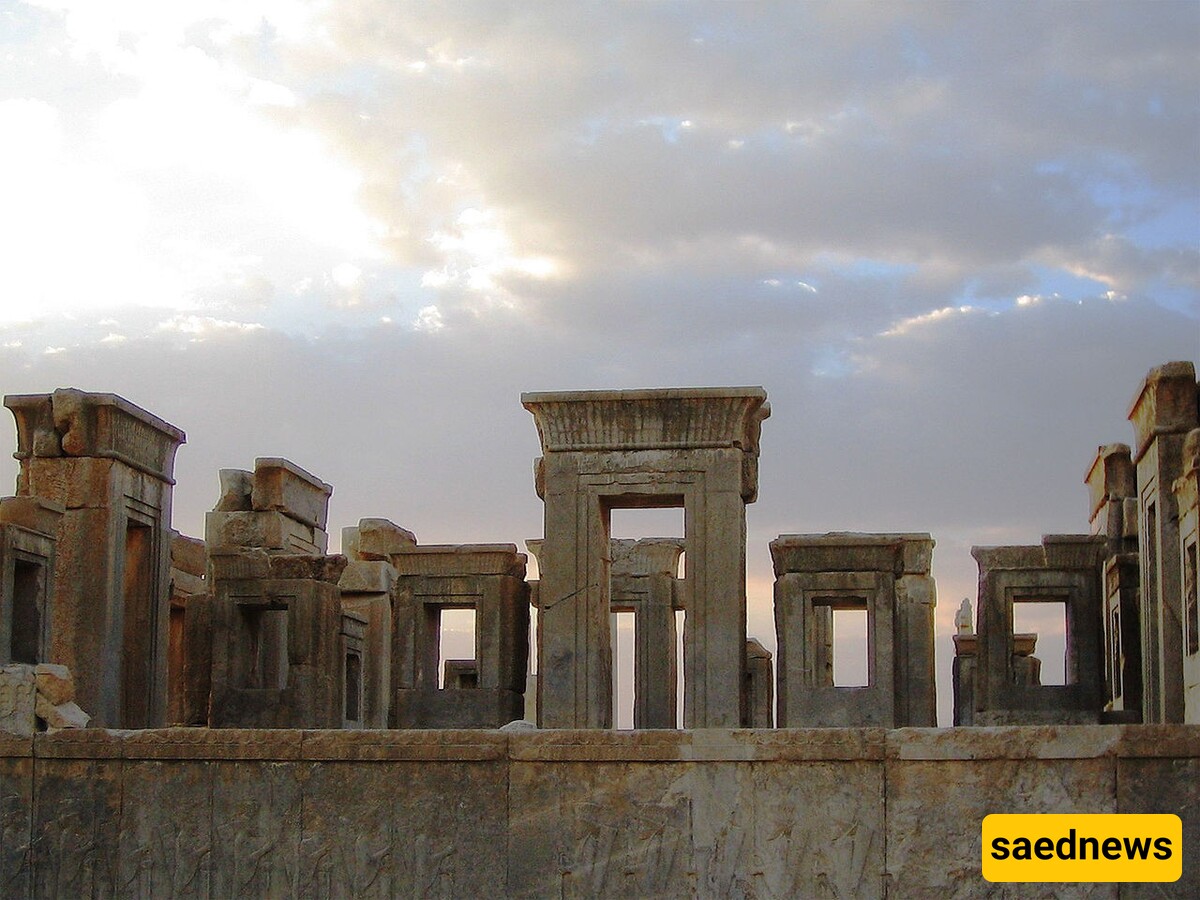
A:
<point x="75" y="844"/>
<point x="256" y="828"/>
<point x="347" y="850"/>
<point x="16" y="820"/>
<point x="937" y="852"/>
<point x="819" y="830"/>
<point x="163" y="853"/>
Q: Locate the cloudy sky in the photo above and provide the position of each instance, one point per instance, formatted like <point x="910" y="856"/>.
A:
<point x="948" y="239"/>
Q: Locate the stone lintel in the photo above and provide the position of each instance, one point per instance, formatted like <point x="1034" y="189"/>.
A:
<point x="1165" y="404"/>
<point x="461" y="559"/>
<point x="71" y="422"/>
<point x="32" y="513"/>
<point x="900" y="553"/>
<point x="648" y="556"/>
<point x="1111" y="476"/>
<point x="658" y="419"/>
<point x="1057" y="551"/>
<point x="282" y="486"/>
<point x="376" y="539"/>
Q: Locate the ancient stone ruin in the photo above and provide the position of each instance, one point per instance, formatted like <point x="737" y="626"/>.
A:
<point x="249" y="715"/>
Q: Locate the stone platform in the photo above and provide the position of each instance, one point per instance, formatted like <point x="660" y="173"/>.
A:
<point x="715" y="813"/>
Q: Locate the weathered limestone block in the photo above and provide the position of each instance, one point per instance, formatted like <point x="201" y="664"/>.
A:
<point x="376" y="539"/>
<point x="887" y="575"/>
<point x="488" y="578"/>
<point x="237" y="488"/>
<point x="282" y="486"/>
<point x="61" y="715"/>
<point x="18" y="700"/>
<point x="270" y="530"/>
<point x="1064" y="569"/>
<point x="54" y="683"/>
<point x="278" y="507"/>
<point x="602" y="450"/>
<point x="1162" y="413"/>
<point x="110" y="464"/>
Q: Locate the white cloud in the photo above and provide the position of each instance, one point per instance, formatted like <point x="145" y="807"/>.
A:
<point x="429" y="320"/>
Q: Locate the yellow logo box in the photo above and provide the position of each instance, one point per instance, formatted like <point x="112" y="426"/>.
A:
<point x="1111" y="847"/>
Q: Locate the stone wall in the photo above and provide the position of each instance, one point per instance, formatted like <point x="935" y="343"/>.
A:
<point x="715" y="813"/>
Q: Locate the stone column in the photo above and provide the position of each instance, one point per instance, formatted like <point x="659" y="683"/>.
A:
<point x="1162" y="413"/>
<point x="1187" y="496"/>
<point x="643" y="582"/>
<point x="604" y="450"/>
<point x="1113" y="512"/>
<point x="190" y="644"/>
<point x="110" y="464"/>
<point x="760" y="686"/>
<point x="368" y="588"/>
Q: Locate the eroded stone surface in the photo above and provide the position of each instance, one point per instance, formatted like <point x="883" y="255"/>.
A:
<point x="715" y="813"/>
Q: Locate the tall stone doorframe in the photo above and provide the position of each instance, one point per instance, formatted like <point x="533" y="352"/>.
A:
<point x="1065" y="569"/>
<point x="887" y="575"/>
<point x="694" y="448"/>
<point x="1162" y="413"/>
<point x="488" y="579"/>
<point x="110" y="464"/>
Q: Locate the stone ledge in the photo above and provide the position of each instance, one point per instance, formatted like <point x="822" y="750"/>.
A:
<point x="703" y="745"/>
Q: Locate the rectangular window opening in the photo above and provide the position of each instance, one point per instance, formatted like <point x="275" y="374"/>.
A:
<point x="25" y="645"/>
<point x="643" y="523"/>
<point x="1047" y="619"/>
<point x="456" y="640"/>
<point x="851" y="647"/>
<point x="624" y="640"/>
<point x="353" y="706"/>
